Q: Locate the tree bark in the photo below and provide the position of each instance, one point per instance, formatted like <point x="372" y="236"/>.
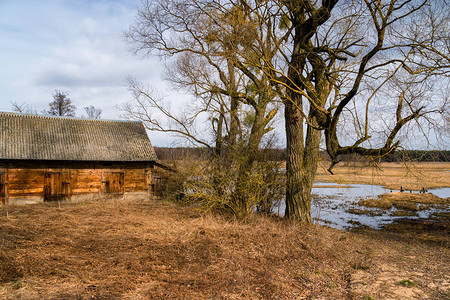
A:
<point x="297" y="205"/>
<point x="247" y="159"/>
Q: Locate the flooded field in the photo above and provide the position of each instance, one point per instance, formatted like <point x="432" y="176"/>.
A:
<point x="341" y="206"/>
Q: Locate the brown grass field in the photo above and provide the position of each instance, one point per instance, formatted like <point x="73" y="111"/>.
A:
<point x="410" y="175"/>
<point x="153" y="249"/>
<point x="159" y="250"/>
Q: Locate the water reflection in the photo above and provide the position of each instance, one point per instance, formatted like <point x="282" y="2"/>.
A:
<point x="336" y="206"/>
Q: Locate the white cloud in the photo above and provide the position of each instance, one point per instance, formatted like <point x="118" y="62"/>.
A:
<point x="73" y="46"/>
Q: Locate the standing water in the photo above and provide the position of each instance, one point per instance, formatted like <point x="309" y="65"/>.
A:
<point x="337" y="206"/>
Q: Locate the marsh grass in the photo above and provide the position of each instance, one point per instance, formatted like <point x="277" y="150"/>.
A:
<point x="405" y="201"/>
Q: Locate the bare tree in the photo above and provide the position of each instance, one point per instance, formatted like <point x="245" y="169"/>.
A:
<point x="61" y="105"/>
<point x="335" y="61"/>
<point x="24" y="108"/>
<point x="238" y="108"/>
<point x="93" y="112"/>
<point x="348" y="71"/>
<point x="342" y="58"/>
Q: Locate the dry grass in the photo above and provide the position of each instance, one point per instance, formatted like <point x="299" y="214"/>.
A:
<point x="410" y="176"/>
<point x="406" y="201"/>
<point x="159" y="250"/>
<point x="154" y="250"/>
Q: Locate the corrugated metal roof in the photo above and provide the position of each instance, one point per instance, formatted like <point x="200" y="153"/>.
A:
<point x="32" y="137"/>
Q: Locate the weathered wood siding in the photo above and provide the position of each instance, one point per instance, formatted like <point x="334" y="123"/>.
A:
<point x="86" y="181"/>
<point x="39" y="181"/>
<point x="25" y="182"/>
<point x="136" y="180"/>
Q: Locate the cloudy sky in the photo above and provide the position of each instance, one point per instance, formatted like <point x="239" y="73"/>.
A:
<point x="75" y="46"/>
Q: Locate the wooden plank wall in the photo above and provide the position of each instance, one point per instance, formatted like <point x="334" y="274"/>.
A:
<point x="28" y="182"/>
<point x="25" y="182"/>
<point x="86" y="181"/>
<point x="136" y="180"/>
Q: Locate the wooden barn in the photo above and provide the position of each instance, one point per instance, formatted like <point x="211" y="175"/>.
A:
<point x="46" y="158"/>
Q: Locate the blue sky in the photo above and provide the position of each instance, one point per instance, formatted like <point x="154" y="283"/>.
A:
<point x="73" y="46"/>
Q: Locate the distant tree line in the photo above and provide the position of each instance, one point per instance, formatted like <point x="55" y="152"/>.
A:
<point x="400" y="156"/>
<point x="279" y="154"/>
<point x="167" y="153"/>
<point x="420" y="155"/>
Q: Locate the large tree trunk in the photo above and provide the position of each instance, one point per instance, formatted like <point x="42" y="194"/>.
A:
<point x="297" y="203"/>
<point x="310" y="163"/>
<point x="301" y="165"/>
<point x="303" y="155"/>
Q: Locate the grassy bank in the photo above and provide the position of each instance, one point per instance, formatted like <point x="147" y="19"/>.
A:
<point x="159" y="250"/>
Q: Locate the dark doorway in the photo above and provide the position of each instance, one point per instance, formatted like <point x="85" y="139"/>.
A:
<point x="158" y="183"/>
<point x="55" y="186"/>
<point x="114" y="183"/>
<point x="2" y="188"/>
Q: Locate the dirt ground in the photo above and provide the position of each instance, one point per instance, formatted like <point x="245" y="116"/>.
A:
<point x="159" y="250"/>
<point x="409" y="175"/>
